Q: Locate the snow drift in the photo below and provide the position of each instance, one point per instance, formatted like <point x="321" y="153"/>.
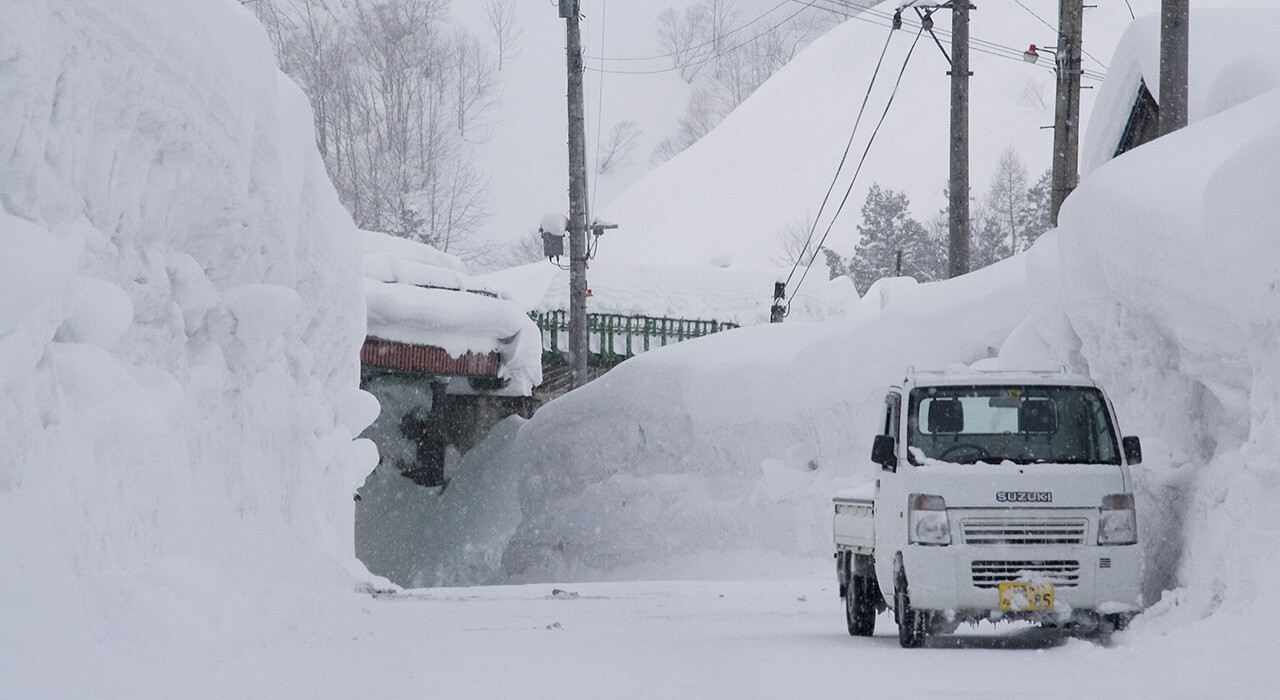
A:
<point x="180" y="316"/>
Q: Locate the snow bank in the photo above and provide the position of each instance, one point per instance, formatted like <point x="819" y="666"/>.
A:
<point x="1169" y="278"/>
<point x="180" y="319"/>
<point x="707" y="458"/>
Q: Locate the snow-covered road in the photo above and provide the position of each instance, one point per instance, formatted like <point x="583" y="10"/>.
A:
<point x="764" y="639"/>
<point x="770" y="639"/>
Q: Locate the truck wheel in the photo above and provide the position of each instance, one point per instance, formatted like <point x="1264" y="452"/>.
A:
<point x="912" y="623"/>
<point x="860" y="607"/>
<point x="1118" y="621"/>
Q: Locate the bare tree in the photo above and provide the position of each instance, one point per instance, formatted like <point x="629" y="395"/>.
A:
<point x="504" y="24"/>
<point x="706" y="109"/>
<point x="618" y="147"/>
<point x="719" y="19"/>
<point x="274" y="19"/>
<point x="394" y="95"/>
<point x="680" y="36"/>
<point x="741" y="58"/>
<point x="1036" y="96"/>
<point x="1007" y="198"/>
<point x="474" y="79"/>
<point x="794" y="245"/>
<point x="524" y="250"/>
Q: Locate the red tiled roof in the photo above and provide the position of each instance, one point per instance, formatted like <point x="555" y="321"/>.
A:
<point x="386" y="354"/>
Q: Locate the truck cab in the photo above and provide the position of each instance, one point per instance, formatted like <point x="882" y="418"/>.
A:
<point x="1001" y="496"/>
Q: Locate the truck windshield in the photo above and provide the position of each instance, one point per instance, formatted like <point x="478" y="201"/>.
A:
<point x="1022" y="424"/>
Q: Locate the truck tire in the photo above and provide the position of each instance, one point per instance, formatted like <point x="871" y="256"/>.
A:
<point x="1117" y="622"/>
<point x="860" y="606"/>
<point x="913" y="625"/>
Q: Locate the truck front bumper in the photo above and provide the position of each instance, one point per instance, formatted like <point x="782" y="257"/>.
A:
<point x="966" y="578"/>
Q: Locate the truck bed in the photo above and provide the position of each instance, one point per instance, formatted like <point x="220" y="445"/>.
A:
<point x="854" y="523"/>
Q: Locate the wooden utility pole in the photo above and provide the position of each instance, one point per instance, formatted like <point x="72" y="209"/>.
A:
<point x="958" y="221"/>
<point x="1066" y="114"/>
<point x="1174" y="39"/>
<point x="577" y="200"/>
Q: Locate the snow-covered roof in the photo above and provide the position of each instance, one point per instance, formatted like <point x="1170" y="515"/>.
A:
<point x="964" y="375"/>
<point x="1241" y="65"/>
<point x="417" y="295"/>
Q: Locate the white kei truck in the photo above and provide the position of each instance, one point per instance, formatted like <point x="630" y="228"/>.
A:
<point x="1002" y="496"/>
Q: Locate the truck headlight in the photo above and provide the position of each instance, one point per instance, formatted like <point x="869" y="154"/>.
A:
<point x="927" y="520"/>
<point x="1117" y="520"/>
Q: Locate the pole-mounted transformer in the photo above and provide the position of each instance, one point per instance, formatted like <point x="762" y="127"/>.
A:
<point x="778" y="311"/>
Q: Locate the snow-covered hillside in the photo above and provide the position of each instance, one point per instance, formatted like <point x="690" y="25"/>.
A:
<point x="523" y="151"/>
<point x="715" y="218"/>
<point x="180" y="316"/>
<point x="757" y="187"/>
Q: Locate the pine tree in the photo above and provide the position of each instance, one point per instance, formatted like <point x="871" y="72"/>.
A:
<point x="836" y="265"/>
<point x="886" y="230"/>
<point x="1034" y="218"/>
<point x="988" y="239"/>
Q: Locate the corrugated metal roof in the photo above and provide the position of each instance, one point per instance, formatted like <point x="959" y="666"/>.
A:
<point x="386" y="354"/>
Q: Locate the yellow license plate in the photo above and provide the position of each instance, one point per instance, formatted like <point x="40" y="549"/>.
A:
<point x="1023" y="595"/>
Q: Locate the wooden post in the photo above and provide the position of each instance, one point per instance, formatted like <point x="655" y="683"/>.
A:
<point x="577" y="200"/>
<point x="1066" y="121"/>
<point x="1174" y="39"/>
<point x="958" y="220"/>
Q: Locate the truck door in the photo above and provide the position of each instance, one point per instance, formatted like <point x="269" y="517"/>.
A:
<point x="889" y="496"/>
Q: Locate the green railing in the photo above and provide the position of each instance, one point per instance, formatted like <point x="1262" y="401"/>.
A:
<point x="612" y="338"/>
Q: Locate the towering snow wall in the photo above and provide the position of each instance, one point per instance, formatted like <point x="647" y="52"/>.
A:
<point x="180" y="318"/>
<point x="1168" y="275"/>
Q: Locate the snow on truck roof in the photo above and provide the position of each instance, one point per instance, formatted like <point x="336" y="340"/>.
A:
<point x="967" y="376"/>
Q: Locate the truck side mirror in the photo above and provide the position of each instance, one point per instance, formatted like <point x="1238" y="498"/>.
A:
<point x="1132" y="449"/>
<point x="882" y="453"/>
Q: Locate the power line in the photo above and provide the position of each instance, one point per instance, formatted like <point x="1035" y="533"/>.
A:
<point x="1055" y="29"/>
<point x="595" y="174"/>
<point x="806" y="5"/>
<point x="703" y="45"/>
<point x="842" y="8"/>
<point x="835" y="178"/>
<point x="1033" y="14"/>
<point x="991" y="48"/>
<point x="862" y="161"/>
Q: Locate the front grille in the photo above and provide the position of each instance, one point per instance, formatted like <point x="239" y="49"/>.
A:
<point x="1059" y="572"/>
<point x="1024" y="530"/>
